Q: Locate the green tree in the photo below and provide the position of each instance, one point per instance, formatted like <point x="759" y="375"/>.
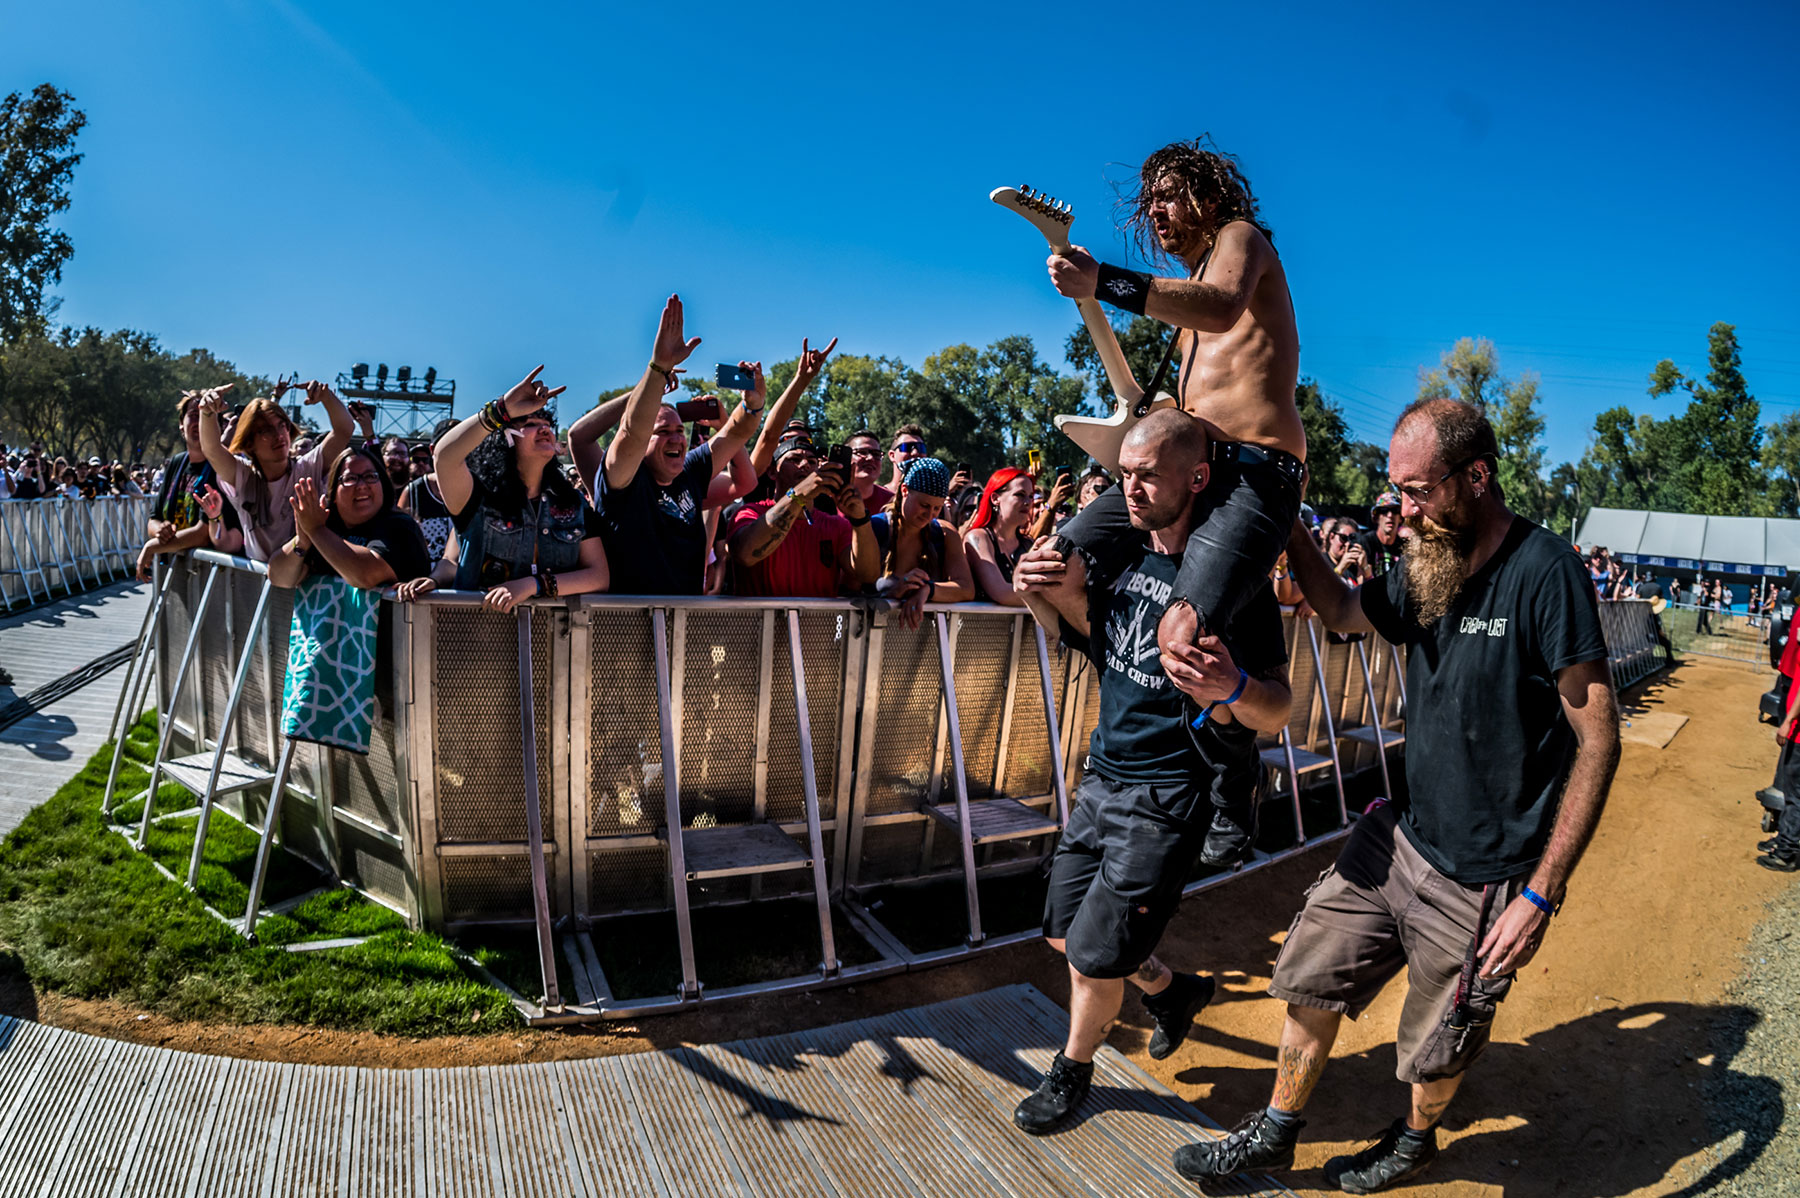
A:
<point x="1470" y="371"/>
<point x="1340" y="470"/>
<point x="37" y="160"/>
<point x="1781" y="454"/>
<point x="1720" y="433"/>
<point x="1143" y="342"/>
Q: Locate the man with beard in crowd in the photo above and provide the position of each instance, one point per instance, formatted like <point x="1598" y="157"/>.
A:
<point x="1512" y="739"/>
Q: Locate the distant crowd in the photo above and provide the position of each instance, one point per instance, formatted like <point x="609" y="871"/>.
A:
<point x="29" y="474"/>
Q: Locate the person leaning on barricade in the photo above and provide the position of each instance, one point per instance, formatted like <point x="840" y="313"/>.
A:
<point x="789" y="546"/>
<point x="996" y="538"/>
<point x="183" y="517"/>
<point x="1512" y="740"/>
<point x="651" y="490"/>
<point x="524" y="530"/>
<point x="256" y="472"/>
<point x="922" y="559"/>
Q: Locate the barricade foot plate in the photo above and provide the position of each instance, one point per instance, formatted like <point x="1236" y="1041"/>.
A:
<point x="234" y="773"/>
<point x="997" y="819"/>
<point x="733" y="852"/>
<point x="1304" y="760"/>
<point x="1386" y="737"/>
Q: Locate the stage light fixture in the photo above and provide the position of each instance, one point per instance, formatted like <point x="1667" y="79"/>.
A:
<point x="381" y="377"/>
<point x="360" y="371"/>
<point x="404" y="374"/>
<point x="430" y="377"/>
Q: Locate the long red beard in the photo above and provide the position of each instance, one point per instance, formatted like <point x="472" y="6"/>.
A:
<point x="1437" y="562"/>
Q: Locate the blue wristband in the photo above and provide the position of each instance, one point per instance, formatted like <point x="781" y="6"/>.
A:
<point x="1537" y="900"/>
<point x="1234" y="696"/>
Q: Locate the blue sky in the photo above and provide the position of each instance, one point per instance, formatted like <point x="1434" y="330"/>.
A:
<point x="299" y="186"/>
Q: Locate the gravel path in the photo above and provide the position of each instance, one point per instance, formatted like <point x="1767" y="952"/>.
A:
<point x="1754" y="1094"/>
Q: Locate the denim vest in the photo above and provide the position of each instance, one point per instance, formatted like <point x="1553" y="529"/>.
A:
<point x="497" y="549"/>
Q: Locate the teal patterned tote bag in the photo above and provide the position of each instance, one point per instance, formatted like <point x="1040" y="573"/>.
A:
<point x="329" y="695"/>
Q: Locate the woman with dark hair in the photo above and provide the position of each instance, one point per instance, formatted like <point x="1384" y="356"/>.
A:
<point x="256" y="470"/>
<point x="1092" y="485"/>
<point x="525" y="530"/>
<point x="922" y="559"/>
<point x="354" y="533"/>
<point x="995" y="539"/>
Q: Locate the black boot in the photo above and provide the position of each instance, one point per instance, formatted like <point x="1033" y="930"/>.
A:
<point x="1392" y="1159"/>
<point x="1044" y="1109"/>
<point x="1172" y="1011"/>
<point x="1776" y="860"/>
<point x="1231" y="839"/>
<point x="1253" y="1146"/>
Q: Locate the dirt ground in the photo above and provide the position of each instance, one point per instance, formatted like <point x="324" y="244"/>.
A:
<point x="1594" y="1084"/>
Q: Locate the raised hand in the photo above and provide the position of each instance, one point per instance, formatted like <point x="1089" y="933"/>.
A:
<point x="309" y="513"/>
<point x="317" y="392"/>
<point x="529" y="395"/>
<point x="1075" y="274"/>
<point x="212" y="400"/>
<point x="211" y="503"/>
<point x="812" y="361"/>
<point x="672" y="348"/>
<point x="757" y="398"/>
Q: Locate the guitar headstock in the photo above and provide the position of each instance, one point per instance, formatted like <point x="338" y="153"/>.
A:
<point x="1048" y="215"/>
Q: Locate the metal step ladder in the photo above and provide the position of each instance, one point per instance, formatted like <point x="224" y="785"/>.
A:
<point x="1374" y="732"/>
<point x="1296" y="763"/>
<point x="987" y="821"/>
<point x="699" y="854"/>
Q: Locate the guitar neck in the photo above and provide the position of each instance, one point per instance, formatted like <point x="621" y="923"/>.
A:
<point x="1106" y="343"/>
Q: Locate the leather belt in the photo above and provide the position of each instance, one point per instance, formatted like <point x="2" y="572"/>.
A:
<point x="1243" y="453"/>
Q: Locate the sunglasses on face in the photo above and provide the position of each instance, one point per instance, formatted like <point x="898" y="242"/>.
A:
<point x="912" y="448"/>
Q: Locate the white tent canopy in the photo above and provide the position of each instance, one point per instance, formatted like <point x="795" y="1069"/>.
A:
<point x="1715" y="544"/>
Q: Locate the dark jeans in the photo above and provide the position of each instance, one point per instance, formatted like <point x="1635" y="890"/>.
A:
<point x="1787" y="830"/>
<point x="1240" y="528"/>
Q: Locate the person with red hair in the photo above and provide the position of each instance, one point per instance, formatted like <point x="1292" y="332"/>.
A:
<point x="995" y="538"/>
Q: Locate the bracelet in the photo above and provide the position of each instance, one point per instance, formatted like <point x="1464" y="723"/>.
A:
<point x="1539" y="901"/>
<point x="492" y="416"/>
<point x="931" y="592"/>
<point x="745" y="404"/>
<point x="1234" y="696"/>
<point x="668" y="372"/>
<point x="547" y="584"/>
<point x="855" y="523"/>
<point x="1127" y="289"/>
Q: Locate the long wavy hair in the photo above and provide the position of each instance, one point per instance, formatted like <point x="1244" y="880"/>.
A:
<point x="495" y="465"/>
<point x="1207" y="174"/>
<point x="262" y="408"/>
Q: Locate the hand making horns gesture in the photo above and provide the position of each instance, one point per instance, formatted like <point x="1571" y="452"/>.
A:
<point x="529" y="395"/>
<point x="812" y="361"/>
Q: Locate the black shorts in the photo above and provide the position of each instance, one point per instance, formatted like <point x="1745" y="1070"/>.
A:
<point x="1246" y="513"/>
<point x="1119" y="868"/>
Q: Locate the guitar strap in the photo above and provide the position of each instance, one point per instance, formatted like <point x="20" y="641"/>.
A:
<point x="1142" y="408"/>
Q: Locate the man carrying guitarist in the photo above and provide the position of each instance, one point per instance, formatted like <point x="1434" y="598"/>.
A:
<point x="1240" y="359"/>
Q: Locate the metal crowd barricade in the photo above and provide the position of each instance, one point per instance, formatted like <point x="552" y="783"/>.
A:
<point x="67" y="545"/>
<point x="693" y="754"/>
<point x="1733" y="635"/>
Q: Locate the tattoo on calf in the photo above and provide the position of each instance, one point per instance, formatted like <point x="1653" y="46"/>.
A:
<point x="1150" y="971"/>
<point x="1296" y="1072"/>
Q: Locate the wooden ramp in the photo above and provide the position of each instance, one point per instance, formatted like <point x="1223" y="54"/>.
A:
<point x="914" y="1104"/>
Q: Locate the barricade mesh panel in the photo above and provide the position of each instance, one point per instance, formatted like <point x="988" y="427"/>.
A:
<point x="369" y="786"/>
<point x="477" y="888"/>
<point x="1300" y="668"/>
<point x="625" y="783"/>
<point x="892" y="851"/>
<point x="908" y="699"/>
<point x="627" y="879"/>
<point x="373" y="866"/>
<point x="983" y="655"/>
<point x="302" y="821"/>
<point x="1029" y="760"/>
<point x="718" y="722"/>
<point x="824" y="637"/>
<point x="477" y="748"/>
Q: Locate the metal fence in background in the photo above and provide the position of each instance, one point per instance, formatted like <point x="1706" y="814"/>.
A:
<point x="65" y="546"/>
<point x="1711" y="633"/>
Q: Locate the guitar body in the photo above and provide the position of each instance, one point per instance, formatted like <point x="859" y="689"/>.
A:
<point x="1099" y="436"/>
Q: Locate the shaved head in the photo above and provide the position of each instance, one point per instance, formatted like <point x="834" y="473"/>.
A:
<point x="1175" y="440"/>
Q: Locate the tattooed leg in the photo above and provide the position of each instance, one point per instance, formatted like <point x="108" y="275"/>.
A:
<point x="1429" y="1099"/>
<point x="1093" y="1007"/>
<point x="1306" y="1040"/>
<point x="1152" y="977"/>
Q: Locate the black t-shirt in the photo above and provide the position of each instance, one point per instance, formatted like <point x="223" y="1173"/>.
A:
<point x="1143" y="734"/>
<point x="1487" y="744"/>
<point x="393" y="536"/>
<point x="655" y="536"/>
<point x="176" y="502"/>
<point x="1382" y="558"/>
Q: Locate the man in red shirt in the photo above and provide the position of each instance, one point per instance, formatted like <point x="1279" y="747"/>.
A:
<point x="787" y="547"/>
<point x="1783" y="853"/>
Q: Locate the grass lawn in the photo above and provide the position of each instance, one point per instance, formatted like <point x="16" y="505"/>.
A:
<point x="84" y="914"/>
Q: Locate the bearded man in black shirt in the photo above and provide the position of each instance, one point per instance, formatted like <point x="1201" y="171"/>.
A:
<point x="1146" y="801"/>
<point x="1512" y="739"/>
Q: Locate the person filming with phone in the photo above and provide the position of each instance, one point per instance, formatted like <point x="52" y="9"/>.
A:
<point x="788" y="545"/>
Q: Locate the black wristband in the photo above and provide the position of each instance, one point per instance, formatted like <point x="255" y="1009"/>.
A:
<point x="859" y="523"/>
<point x="1127" y="289"/>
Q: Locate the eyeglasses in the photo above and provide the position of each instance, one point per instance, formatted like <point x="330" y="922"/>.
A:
<point x="912" y="448"/>
<point x="1340" y="536"/>
<point x="1420" y="494"/>
<point x="359" y="480"/>
<point x="865" y="453"/>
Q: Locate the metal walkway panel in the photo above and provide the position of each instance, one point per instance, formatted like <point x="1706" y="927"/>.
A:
<point x="314" y="1140"/>
<point x="456" y="1121"/>
<point x="168" y="1135"/>
<point x="237" y="1157"/>
<point x="762" y="1130"/>
<point x="387" y="1144"/>
<point x="733" y="852"/>
<point x="681" y="1129"/>
<point x="37" y="1121"/>
<point x="100" y="1138"/>
<point x="997" y="819"/>
<point x="536" y="1148"/>
<point x="609" y="1141"/>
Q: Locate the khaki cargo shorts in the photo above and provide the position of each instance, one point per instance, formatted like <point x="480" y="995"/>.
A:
<point x="1380" y="908"/>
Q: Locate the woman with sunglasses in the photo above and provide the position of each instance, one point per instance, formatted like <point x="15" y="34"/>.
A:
<point x="524" y="529"/>
<point x="256" y="470"/>
<point x="353" y="532"/>
<point x="1347" y="557"/>
<point x="996" y="537"/>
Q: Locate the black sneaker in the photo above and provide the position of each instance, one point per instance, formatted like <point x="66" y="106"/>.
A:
<point x="1044" y="1109"/>
<point x="1392" y="1159"/>
<point x="1231" y="839"/>
<point x="1254" y="1145"/>
<point x="1779" y="862"/>
<point x="1172" y="1011"/>
<point x="1768" y="846"/>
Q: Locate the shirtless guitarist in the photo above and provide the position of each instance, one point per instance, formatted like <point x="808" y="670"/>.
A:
<point x="1240" y="359"/>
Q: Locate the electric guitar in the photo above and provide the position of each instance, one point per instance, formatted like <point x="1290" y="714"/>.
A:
<point x="1101" y="436"/>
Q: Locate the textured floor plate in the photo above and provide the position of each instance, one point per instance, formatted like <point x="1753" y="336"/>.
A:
<point x="914" y="1104"/>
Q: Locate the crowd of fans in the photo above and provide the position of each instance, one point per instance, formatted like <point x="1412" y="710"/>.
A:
<point x="32" y="474"/>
